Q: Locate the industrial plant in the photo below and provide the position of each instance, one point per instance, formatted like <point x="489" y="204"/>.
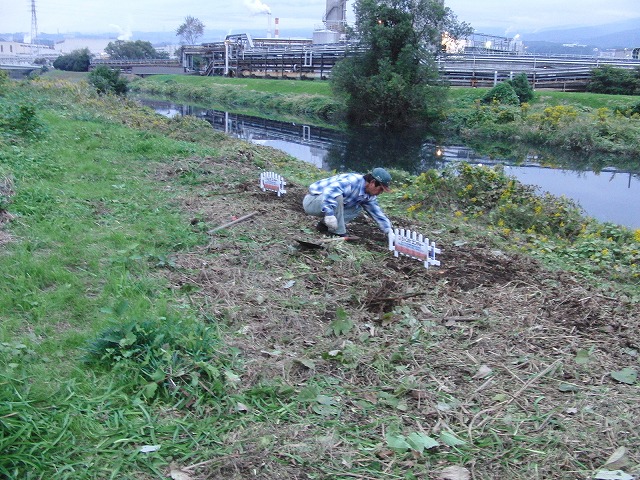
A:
<point x="477" y="60"/>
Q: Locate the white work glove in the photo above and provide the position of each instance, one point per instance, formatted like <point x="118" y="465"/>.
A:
<point x="331" y="222"/>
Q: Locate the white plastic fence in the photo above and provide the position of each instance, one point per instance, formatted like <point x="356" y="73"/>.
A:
<point x="413" y="245"/>
<point x="273" y="182"/>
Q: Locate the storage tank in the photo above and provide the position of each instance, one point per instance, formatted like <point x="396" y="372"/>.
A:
<point x="325" y="36"/>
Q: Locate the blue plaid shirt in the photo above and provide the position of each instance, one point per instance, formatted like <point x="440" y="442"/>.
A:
<point x="351" y="187"/>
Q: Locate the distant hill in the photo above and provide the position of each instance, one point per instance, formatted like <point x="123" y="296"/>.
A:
<point x="623" y="34"/>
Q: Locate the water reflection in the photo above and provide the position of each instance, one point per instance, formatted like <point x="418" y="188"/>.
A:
<point x="605" y="193"/>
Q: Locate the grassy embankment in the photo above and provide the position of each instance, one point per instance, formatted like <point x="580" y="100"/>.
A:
<point x="106" y="347"/>
<point x="284" y="99"/>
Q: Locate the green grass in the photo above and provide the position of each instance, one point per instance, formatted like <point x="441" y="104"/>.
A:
<point x="298" y="87"/>
<point x="90" y="232"/>
<point x="55" y="74"/>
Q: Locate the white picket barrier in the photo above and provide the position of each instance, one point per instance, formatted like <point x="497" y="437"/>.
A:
<point x="273" y="182"/>
<point x="413" y="245"/>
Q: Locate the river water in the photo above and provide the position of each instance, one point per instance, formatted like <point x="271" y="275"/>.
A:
<point x="608" y="195"/>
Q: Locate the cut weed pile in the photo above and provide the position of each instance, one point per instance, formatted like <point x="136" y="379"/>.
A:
<point x="241" y="354"/>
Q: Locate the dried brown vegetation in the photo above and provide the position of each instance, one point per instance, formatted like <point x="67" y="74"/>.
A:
<point x="511" y="358"/>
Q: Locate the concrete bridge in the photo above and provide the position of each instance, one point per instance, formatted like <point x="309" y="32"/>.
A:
<point x="17" y="66"/>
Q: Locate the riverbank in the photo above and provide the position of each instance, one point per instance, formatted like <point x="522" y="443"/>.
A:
<point x="578" y="122"/>
<point x="238" y="353"/>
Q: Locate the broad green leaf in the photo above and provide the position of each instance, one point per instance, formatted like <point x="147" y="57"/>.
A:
<point x="582" y="356"/>
<point x="325" y="410"/>
<point x="150" y="390"/>
<point x="419" y="442"/>
<point x="325" y="400"/>
<point x="568" y="387"/>
<point x="130" y="339"/>
<point x="342" y="324"/>
<point x="389" y="399"/>
<point x="397" y="442"/>
<point x="626" y="375"/>
<point x="450" y="439"/>
<point x="308" y="394"/>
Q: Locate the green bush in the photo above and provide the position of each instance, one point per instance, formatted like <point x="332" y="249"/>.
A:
<point x="522" y="87"/>
<point x="108" y="81"/>
<point x="503" y="93"/>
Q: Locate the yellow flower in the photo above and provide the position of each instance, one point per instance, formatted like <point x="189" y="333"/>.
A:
<point x="458" y="213"/>
<point x="636" y="235"/>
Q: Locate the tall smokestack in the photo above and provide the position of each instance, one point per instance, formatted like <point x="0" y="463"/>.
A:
<point x="277" y="30"/>
<point x="269" y="25"/>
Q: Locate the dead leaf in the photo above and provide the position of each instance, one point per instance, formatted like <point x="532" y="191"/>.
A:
<point x="177" y="473"/>
<point x="483" y="372"/>
<point x="453" y="473"/>
<point x="612" y="475"/>
<point x="149" y="448"/>
<point x="617" y="460"/>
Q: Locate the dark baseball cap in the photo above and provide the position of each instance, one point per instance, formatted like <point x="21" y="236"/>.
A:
<point x="382" y="176"/>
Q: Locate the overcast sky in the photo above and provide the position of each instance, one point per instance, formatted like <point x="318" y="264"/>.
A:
<point x="122" y="16"/>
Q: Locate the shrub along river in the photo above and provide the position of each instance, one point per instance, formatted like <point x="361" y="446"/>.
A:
<point x="609" y="194"/>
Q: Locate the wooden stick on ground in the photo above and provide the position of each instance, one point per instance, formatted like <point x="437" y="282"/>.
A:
<point x="237" y="220"/>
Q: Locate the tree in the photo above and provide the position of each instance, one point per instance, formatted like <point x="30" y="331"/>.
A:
<point x="614" y="81"/>
<point x="108" y="81"/>
<point x="127" y="50"/>
<point x="522" y="87"/>
<point x="395" y="82"/>
<point x="190" y="30"/>
<point x="76" y="61"/>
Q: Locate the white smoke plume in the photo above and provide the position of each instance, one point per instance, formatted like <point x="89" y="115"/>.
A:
<point x="256" y="7"/>
<point x="124" y="33"/>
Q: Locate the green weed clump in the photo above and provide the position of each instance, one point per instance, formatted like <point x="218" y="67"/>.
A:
<point x="486" y="192"/>
<point x="543" y="224"/>
<point x="21" y="121"/>
<point x="164" y="358"/>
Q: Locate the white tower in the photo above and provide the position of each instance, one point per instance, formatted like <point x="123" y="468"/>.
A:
<point x="34" y="29"/>
<point x="336" y="16"/>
